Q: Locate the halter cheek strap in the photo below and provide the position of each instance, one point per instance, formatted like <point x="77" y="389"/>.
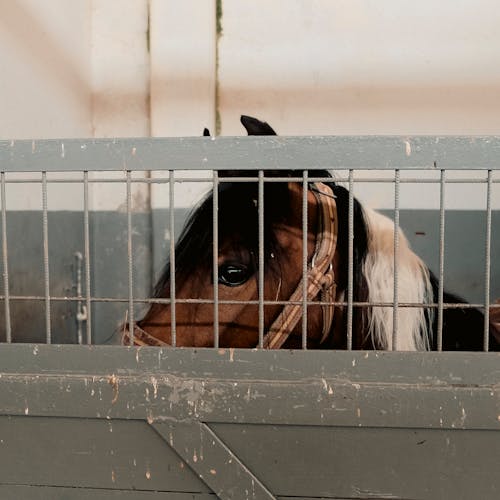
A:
<point x="320" y="278"/>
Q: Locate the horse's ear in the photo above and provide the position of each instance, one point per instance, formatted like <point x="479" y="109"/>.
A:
<point x="256" y="127"/>
<point x="206" y="132"/>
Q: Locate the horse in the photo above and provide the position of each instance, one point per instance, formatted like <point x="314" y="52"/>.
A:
<point x="327" y="278"/>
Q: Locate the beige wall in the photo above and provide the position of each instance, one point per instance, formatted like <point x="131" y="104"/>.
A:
<point x="106" y="68"/>
<point x="362" y="67"/>
<point x="76" y="68"/>
<point x="139" y="67"/>
<point x="45" y="84"/>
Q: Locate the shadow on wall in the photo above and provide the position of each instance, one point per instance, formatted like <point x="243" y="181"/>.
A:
<point x="41" y="49"/>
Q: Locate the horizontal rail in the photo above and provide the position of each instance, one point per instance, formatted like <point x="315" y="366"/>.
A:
<point x="55" y="298"/>
<point x="273" y="387"/>
<point x="268" y="180"/>
<point x="242" y="153"/>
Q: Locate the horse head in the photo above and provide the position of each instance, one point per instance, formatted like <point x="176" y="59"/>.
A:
<point x="238" y="263"/>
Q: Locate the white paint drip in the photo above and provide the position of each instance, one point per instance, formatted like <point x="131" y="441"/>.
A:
<point x="408" y="148"/>
<point x="154" y="382"/>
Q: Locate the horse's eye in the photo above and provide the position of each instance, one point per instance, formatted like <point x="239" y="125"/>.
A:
<point x="233" y="274"/>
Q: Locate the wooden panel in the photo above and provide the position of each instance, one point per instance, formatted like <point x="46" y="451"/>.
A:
<point x="301" y="424"/>
<point x="368" y="389"/>
<point x="61" y="493"/>
<point x="90" y="453"/>
<point x="330" y="462"/>
<point x="215" y="463"/>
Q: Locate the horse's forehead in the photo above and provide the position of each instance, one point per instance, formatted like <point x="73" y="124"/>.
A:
<point x="236" y="248"/>
<point x="236" y="219"/>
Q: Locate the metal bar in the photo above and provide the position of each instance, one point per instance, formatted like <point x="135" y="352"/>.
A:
<point x="304" y="256"/>
<point x="487" y="270"/>
<point x="171" y="198"/>
<point x="208" y="180"/>
<point x="86" y="243"/>
<point x="396" y="262"/>
<point x="54" y="298"/>
<point x="46" y="270"/>
<point x="215" y="230"/>
<point x="439" y="345"/>
<point x="243" y="153"/>
<point x="5" y="261"/>
<point x="130" y="260"/>
<point x="350" y="258"/>
<point x="79" y="316"/>
<point x="261" y="257"/>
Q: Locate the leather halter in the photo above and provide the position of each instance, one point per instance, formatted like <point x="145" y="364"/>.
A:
<point x="320" y="280"/>
<point x="141" y="338"/>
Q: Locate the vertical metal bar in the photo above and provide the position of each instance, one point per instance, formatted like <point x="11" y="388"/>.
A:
<point x="171" y="196"/>
<point x="80" y="316"/>
<point x="45" y="226"/>
<point x="487" y="270"/>
<point x="304" y="258"/>
<point x="86" y="243"/>
<point x="439" y="340"/>
<point x="215" y="253"/>
<point x="261" y="257"/>
<point x="350" y="258"/>
<point x="130" y="259"/>
<point x="8" y="329"/>
<point x="396" y="263"/>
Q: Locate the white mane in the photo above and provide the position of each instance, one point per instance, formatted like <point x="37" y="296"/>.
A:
<point x="414" y="286"/>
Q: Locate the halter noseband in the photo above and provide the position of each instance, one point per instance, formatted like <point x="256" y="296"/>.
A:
<point x="141" y="338"/>
<point x="320" y="280"/>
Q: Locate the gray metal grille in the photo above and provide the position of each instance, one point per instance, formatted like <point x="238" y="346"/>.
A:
<point x="351" y="156"/>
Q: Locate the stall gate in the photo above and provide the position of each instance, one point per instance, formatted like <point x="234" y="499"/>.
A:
<point x="104" y="421"/>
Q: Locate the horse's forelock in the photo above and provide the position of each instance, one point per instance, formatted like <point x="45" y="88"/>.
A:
<point x="238" y="221"/>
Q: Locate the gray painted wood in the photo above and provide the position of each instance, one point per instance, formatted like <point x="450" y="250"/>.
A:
<point x="91" y="453"/>
<point x="16" y="492"/>
<point x="325" y="401"/>
<point x="449" y="370"/>
<point x="369" y="462"/>
<point x="424" y="390"/>
<point x="306" y="424"/>
<point x="239" y="153"/>
<point x="216" y="464"/>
